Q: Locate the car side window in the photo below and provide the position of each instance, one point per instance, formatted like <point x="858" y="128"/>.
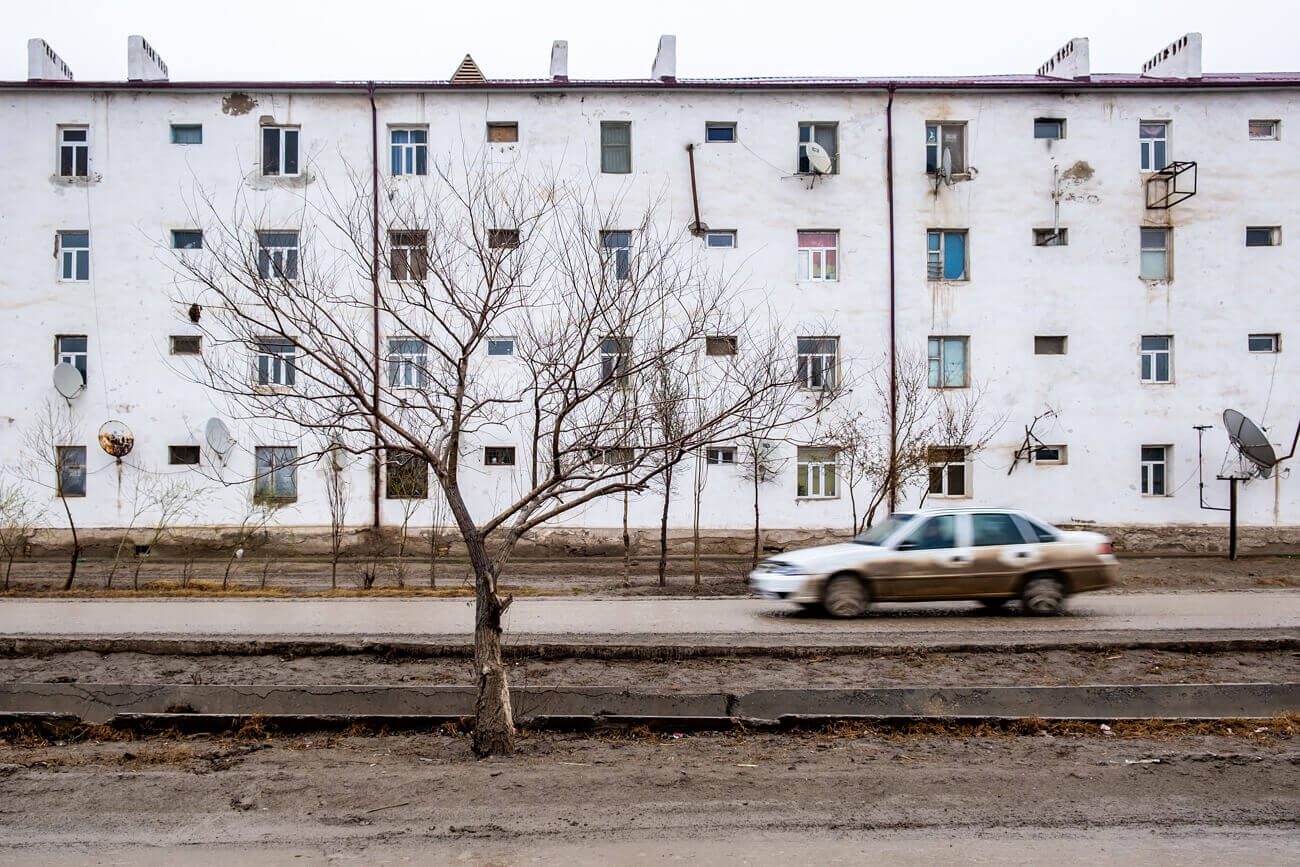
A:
<point x="1040" y="533"/>
<point x="938" y="532"/>
<point x="996" y="529"/>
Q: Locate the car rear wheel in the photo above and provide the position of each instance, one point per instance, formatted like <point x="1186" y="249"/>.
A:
<point x="1043" y="596"/>
<point x="846" y="596"/>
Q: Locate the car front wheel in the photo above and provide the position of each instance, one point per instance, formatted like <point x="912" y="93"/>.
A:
<point x="846" y="596"/>
<point x="1043" y="596"/>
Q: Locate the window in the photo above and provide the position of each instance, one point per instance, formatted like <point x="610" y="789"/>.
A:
<point x="618" y="247"/>
<point x="72" y="471"/>
<point x="186" y="344"/>
<point x="277" y="473"/>
<point x="507" y="239"/>
<point x="182" y="455"/>
<point x="818" y="362"/>
<point x="1263" y="236"/>
<point x="719" y="132"/>
<point x="74" y="151"/>
<point x="613" y="457"/>
<point x="408" y="362"/>
<point x="503" y="132"/>
<point x="1049" y="127"/>
<point x="995" y="528"/>
<point x="187" y="133"/>
<point x="1041" y="532"/>
<point x="722" y="345"/>
<point x="277" y="255"/>
<point x="406" y="476"/>
<point x="818" y="255"/>
<point x="615" y="147"/>
<point x="720" y="239"/>
<point x="72" y="349"/>
<point x="948" y="362"/>
<point x="74" y="255"/>
<point x="187" y="239"/>
<point x="825" y="134"/>
<point x="499" y="456"/>
<point x="945" y="137"/>
<point x="615" y="359"/>
<point x="1049" y="455"/>
<point x="275" y="361"/>
<point x="501" y="346"/>
<point x="945" y="254"/>
<point x="1157" y="358"/>
<point x="936" y="533"/>
<point x="1155" y="254"/>
<point x="410" y="151"/>
<point x="815" y="469"/>
<point x="947" y="470"/>
<point x="408" y="254"/>
<point x="1263" y="130"/>
<point x="1051" y="237"/>
<point x="1049" y="345"/>
<point x="1154" y="465"/>
<point x="720" y="455"/>
<point x="1264" y="342"/>
<point x="279" y="150"/>
<point x="1153" y="142"/>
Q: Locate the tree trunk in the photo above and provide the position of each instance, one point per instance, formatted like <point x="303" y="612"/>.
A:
<point x="9" y="567"/>
<point x="663" y="528"/>
<point x="753" y="564"/>
<point x="494" y="730"/>
<point x="627" y="547"/>
<point x="76" y="547"/>
<point x="334" y="571"/>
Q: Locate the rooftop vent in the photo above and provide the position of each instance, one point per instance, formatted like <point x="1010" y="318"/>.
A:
<point x="468" y="72"/>
<point x="1071" y="61"/>
<point x="43" y="64"/>
<point x="142" y="62"/>
<point x="1179" y="59"/>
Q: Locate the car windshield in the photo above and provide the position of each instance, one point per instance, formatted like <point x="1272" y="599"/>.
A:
<point x="876" y="535"/>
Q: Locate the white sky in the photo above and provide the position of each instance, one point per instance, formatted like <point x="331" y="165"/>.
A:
<point x="400" y="39"/>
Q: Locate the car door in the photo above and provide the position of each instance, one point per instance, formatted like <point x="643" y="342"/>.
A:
<point x="1002" y="554"/>
<point x="927" y="562"/>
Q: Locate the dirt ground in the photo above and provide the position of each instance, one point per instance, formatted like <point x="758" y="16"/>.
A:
<point x="601" y="576"/>
<point x="1045" y="668"/>
<point x="1188" y="791"/>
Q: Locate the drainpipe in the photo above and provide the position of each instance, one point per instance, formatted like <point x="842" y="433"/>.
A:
<point x="893" y="313"/>
<point x="374" y="281"/>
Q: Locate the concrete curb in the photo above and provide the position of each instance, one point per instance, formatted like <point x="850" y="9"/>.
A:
<point x="593" y="647"/>
<point x="123" y="702"/>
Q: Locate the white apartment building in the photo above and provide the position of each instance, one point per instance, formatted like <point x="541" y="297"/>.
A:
<point x="1028" y="236"/>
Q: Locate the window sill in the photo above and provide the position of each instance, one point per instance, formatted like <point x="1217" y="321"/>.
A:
<point x="944" y="280"/>
<point x="275" y="501"/>
<point x="948" y="387"/>
<point x="273" y="389"/>
<point x="957" y="176"/>
<point x="815" y="499"/>
<point x="799" y="174"/>
<point x="1156" y="382"/>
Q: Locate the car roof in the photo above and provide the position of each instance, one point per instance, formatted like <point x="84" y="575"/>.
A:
<point x="945" y="510"/>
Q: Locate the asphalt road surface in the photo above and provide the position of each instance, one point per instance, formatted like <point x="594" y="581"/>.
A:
<point x="637" y="620"/>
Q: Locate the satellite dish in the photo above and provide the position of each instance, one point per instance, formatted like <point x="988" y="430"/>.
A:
<point x="116" y="439"/>
<point x="818" y="159"/>
<point x="945" y="170"/>
<point x="218" y="437"/>
<point x="1250" y="441"/>
<point x="68" y="381"/>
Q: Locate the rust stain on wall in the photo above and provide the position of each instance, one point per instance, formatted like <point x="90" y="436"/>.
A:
<point x="237" y="104"/>
<point x="1080" y="171"/>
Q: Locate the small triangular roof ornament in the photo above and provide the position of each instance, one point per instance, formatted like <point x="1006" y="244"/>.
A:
<point x="468" y="72"/>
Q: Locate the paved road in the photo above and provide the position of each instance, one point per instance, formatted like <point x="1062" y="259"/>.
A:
<point x="639" y="620"/>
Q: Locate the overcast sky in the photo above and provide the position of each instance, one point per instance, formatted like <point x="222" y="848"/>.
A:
<point x="402" y="40"/>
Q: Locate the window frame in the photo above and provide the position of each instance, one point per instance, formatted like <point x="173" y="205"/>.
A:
<point x="1060" y="128"/>
<point x="936" y="258"/>
<point x="72" y="259"/>
<point x="75" y="148"/>
<point x="174" y="127"/>
<point x="504" y="239"/>
<point x="1148" y="146"/>
<point x="810" y="258"/>
<point x="813" y="362"/>
<point x="730" y="343"/>
<point x="934" y="149"/>
<point x="720" y="456"/>
<point x="172" y="344"/>
<point x="1047" y="237"/>
<point x="408" y="362"/>
<point x="176" y="236"/>
<point x="278" y="458"/>
<point x="615" y="355"/>
<point x="1149" y="465"/>
<point x="177" y="456"/>
<point x="1065" y="343"/>
<point x="514" y="345"/>
<point x="286" y="267"/>
<point x="502" y="452"/>
<point x="1274" y="236"/>
<point x="73" y="356"/>
<point x="1062" y="455"/>
<point x="726" y="126"/>
<point x="408" y="253"/>
<point x="609" y="150"/>
<point x="1275" y="127"/>
<point x="1166" y="249"/>
<point x="503" y="125"/>
<point x="943" y="467"/>
<point x="802" y="165"/>
<point x="620" y="265"/>
<point x="78" y="465"/>
<point x="280" y="370"/>
<point x="812" y="464"/>
<point x="409" y="158"/>
<point x="282" y="132"/>
<point x="720" y="233"/>
<point x="1149" y="364"/>
<point x="1275" y="343"/>
<point x="935" y="376"/>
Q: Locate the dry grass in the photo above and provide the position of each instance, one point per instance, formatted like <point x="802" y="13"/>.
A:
<point x="212" y="590"/>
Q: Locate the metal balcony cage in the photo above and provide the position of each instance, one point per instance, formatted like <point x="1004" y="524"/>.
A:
<point x="1175" y="183"/>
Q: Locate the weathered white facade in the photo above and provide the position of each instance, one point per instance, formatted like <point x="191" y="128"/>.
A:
<point x="140" y="186"/>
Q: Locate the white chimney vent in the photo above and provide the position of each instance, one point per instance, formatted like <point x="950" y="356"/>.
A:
<point x="665" y="65"/>
<point x="1179" y="59"/>
<point x="43" y="64"/>
<point x="142" y="62"/>
<point x="560" y="60"/>
<point x="1071" y="61"/>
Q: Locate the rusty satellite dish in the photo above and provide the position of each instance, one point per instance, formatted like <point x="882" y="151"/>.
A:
<point x="116" y="439"/>
<point x="1250" y="441"/>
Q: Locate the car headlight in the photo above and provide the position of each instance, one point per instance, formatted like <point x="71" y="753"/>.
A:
<point x="776" y="567"/>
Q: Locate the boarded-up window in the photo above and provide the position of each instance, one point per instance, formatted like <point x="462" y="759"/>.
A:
<point x="720" y="345"/>
<point x="503" y="132"/>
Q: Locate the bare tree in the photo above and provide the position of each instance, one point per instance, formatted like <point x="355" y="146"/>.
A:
<point x="19" y="515"/>
<point x="670" y="404"/>
<point x="598" y="295"/>
<point x="138" y="505"/>
<point x="168" y="499"/>
<point x="54" y="462"/>
<point x="336" y="497"/>
<point x="759" y="463"/>
<point x="253" y="520"/>
<point x="961" y="428"/>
